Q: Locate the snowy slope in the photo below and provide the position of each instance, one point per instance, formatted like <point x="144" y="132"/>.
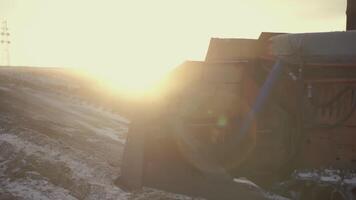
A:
<point x="55" y="146"/>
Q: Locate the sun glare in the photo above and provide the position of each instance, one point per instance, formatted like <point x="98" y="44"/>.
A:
<point x="108" y="39"/>
<point x="132" y="83"/>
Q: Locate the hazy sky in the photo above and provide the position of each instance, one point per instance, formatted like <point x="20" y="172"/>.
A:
<point x="117" y="38"/>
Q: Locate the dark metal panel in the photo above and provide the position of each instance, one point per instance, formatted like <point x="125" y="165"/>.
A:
<point x="351" y="15"/>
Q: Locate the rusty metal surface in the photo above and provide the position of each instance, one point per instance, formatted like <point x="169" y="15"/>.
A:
<point x="210" y="99"/>
<point x="331" y="139"/>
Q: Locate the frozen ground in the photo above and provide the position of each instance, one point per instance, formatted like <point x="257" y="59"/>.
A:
<point x="55" y="146"/>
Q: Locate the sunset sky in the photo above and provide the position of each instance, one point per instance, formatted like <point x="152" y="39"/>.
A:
<point x="131" y="40"/>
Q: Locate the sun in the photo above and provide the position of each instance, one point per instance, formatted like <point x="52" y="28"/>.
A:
<point x="131" y="82"/>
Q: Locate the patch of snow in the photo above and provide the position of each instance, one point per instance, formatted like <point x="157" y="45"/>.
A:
<point x="92" y="140"/>
<point x="351" y="180"/>
<point x="94" y="175"/>
<point x="244" y="180"/>
<point x="331" y="179"/>
<point x="150" y="193"/>
<point x="46" y="153"/>
<point x="275" y="197"/>
<point x="30" y="189"/>
<point x="251" y="184"/>
<point x="327" y="176"/>
<point x="307" y="175"/>
<point x="103" y="112"/>
<point x="69" y="106"/>
<point x="83" y="115"/>
<point x="108" y="132"/>
<point x="4" y="88"/>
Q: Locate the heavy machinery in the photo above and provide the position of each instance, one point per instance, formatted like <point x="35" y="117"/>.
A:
<point x="258" y="109"/>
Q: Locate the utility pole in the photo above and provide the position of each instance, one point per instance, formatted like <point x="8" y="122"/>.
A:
<point x="4" y="44"/>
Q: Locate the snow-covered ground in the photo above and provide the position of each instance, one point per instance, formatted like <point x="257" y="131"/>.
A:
<point x="53" y="146"/>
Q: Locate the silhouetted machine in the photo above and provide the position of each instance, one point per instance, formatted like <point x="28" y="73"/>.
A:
<point x="254" y="108"/>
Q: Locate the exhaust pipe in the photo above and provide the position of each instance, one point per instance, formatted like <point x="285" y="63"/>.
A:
<point x="351" y="15"/>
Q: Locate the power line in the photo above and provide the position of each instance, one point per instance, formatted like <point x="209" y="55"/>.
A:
<point x="5" y="44"/>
